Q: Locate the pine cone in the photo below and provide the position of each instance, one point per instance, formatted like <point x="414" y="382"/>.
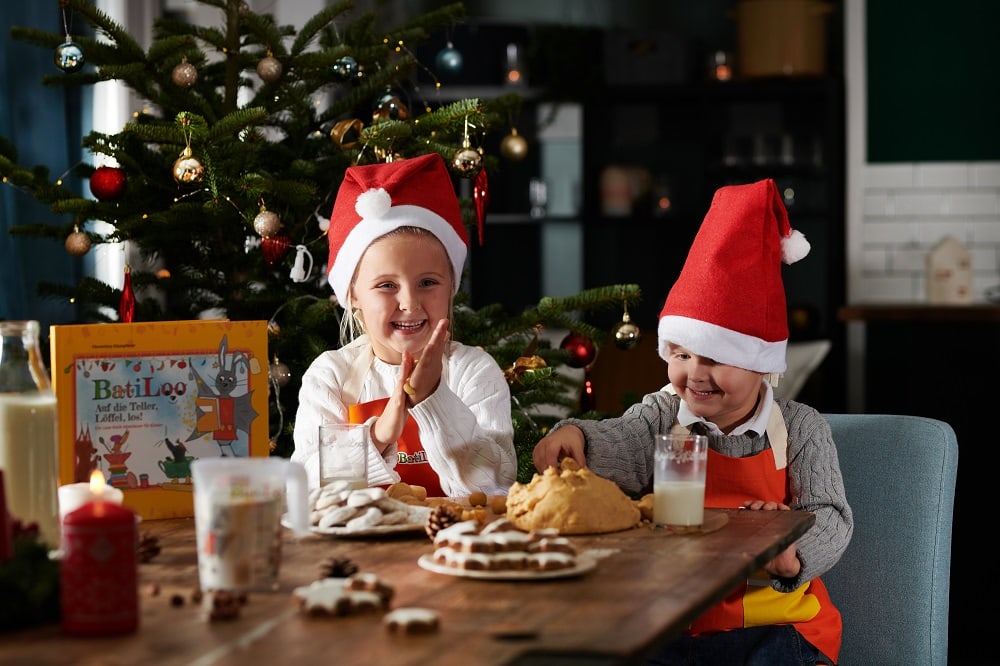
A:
<point x="149" y="547"/>
<point x="337" y="567"/>
<point x="440" y="517"/>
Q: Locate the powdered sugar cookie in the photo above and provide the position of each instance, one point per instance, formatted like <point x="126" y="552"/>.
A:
<point x="411" y="621"/>
<point x="371" y="517"/>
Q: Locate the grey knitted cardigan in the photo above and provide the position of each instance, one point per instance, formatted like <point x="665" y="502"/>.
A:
<point x="621" y="449"/>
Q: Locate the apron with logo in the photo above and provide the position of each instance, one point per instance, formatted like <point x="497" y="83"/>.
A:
<point x="731" y="481"/>
<point x="411" y="463"/>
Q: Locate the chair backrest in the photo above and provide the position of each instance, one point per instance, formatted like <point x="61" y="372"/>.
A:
<point x="893" y="582"/>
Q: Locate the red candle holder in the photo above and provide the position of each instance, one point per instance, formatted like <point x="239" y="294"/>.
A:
<point x="98" y="573"/>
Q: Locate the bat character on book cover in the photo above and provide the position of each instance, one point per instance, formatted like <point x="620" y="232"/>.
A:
<point x="219" y="413"/>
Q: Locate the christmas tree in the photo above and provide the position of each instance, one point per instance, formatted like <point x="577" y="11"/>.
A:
<point x="221" y="188"/>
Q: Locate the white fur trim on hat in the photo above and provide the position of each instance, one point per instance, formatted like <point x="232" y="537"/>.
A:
<point x="371" y="228"/>
<point x="720" y="344"/>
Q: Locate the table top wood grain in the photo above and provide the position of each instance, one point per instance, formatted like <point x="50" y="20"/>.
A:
<point x="647" y="586"/>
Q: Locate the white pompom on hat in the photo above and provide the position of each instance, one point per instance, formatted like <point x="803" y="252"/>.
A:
<point x="729" y="302"/>
<point x="374" y="199"/>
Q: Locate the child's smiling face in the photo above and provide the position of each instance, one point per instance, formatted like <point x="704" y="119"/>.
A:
<point x="403" y="287"/>
<point x="723" y="394"/>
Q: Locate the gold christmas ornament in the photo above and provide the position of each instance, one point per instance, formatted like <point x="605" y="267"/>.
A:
<point x="523" y="365"/>
<point x="269" y="68"/>
<point x="184" y="75"/>
<point x="267" y="223"/>
<point x="187" y="168"/>
<point x="467" y="162"/>
<point x="627" y="335"/>
<point x="514" y="146"/>
<point x="77" y="243"/>
<point x="345" y="133"/>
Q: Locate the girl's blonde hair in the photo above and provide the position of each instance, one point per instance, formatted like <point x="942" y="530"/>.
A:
<point x="352" y="326"/>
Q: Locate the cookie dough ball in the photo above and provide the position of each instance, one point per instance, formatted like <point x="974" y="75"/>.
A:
<point x="572" y="501"/>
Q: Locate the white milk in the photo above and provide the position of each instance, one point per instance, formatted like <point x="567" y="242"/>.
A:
<point x="679" y="503"/>
<point x="350" y="482"/>
<point x="29" y="457"/>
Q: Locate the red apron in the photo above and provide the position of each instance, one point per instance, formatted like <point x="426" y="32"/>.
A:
<point x="730" y="482"/>
<point x="411" y="463"/>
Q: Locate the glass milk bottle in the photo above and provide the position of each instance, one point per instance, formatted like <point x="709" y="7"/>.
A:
<point x="29" y="451"/>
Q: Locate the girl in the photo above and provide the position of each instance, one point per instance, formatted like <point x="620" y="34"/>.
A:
<point x="438" y="410"/>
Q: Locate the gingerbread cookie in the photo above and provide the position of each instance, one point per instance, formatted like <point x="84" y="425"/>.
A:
<point x="412" y="621"/>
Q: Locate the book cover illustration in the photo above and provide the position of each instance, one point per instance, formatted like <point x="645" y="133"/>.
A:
<point x="141" y="402"/>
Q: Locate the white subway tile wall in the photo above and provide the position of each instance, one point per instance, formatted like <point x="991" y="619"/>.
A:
<point x="907" y="209"/>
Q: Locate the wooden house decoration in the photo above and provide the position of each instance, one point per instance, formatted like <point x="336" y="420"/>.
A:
<point x="949" y="273"/>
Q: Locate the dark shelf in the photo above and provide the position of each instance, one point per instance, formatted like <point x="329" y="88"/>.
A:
<point x="682" y="139"/>
<point x="917" y="312"/>
<point x="526" y="218"/>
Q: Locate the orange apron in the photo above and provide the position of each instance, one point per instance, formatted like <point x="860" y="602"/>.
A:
<point x="411" y="462"/>
<point x="730" y="482"/>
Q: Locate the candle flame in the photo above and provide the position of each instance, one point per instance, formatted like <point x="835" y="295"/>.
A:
<point x="97" y="483"/>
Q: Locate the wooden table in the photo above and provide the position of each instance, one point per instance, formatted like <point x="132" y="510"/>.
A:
<point x="646" y="588"/>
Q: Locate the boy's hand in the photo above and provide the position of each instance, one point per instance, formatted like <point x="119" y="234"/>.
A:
<point x="567" y="442"/>
<point x="786" y="564"/>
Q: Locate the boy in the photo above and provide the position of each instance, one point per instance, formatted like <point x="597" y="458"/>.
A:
<point x="723" y="332"/>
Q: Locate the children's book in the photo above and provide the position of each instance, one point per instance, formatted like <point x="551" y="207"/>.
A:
<point x="142" y="401"/>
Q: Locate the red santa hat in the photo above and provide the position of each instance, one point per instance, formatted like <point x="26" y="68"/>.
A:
<point x="375" y="199"/>
<point x="729" y="302"/>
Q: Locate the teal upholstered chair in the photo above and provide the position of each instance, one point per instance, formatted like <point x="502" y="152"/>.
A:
<point x="893" y="581"/>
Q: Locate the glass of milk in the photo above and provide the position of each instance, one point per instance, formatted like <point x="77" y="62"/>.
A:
<point x="679" y="465"/>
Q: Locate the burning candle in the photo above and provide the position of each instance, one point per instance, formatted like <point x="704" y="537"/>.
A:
<point x="99" y="573"/>
<point x="74" y="495"/>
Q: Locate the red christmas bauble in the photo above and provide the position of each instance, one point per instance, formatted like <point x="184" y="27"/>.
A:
<point x="275" y="248"/>
<point x="581" y="350"/>
<point x="107" y="183"/>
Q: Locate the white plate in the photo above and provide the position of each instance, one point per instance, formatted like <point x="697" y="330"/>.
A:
<point x="342" y="531"/>
<point x="584" y="563"/>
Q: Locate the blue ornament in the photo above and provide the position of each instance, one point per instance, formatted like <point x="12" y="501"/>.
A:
<point x="69" y="57"/>
<point x="449" y="60"/>
<point x="345" y="69"/>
